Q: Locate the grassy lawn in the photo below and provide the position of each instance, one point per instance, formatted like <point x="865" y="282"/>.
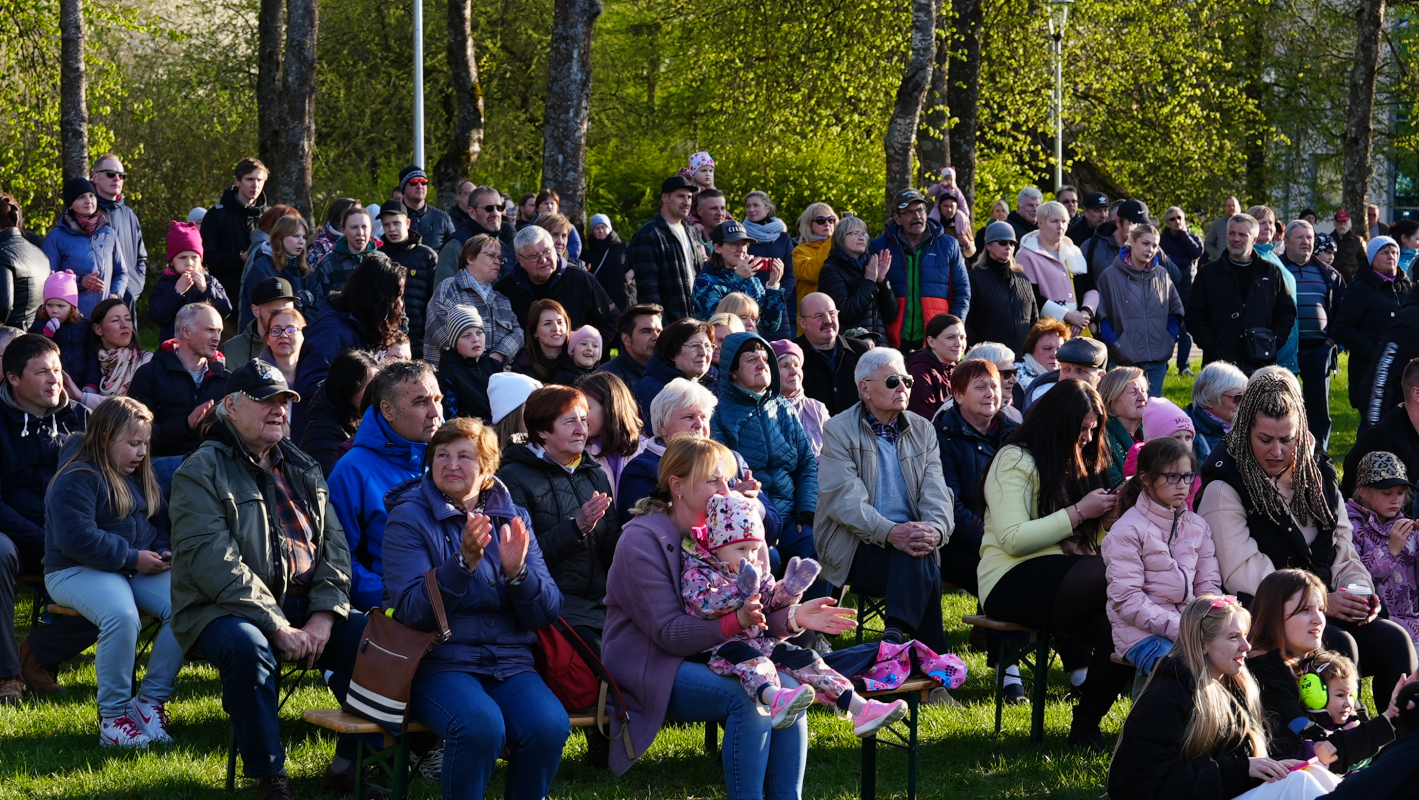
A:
<point x="49" y="748"/>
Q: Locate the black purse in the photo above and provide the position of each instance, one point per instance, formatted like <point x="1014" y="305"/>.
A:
<point x="1260" y="344"/>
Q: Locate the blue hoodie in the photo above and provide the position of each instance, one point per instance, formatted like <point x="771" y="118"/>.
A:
<point x="379" y="460"/>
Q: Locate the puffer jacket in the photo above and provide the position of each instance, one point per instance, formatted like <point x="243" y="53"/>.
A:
<point x="552" y="496"/>
<point x="431" y="225"/>
<point x="1140" y="311"/>
<point x="464" y="382"/>
<point x="714" y="283"/>
<point x="226" y="234"/>
<point x="494" y="623"/>
<point x="1366" y="311"/>
<point x="846" y="516"/>
<point x="1157" y="560"/>
<point x="29" y="457"/>
<point x="1054" y="275"/>
<point x="764" y="428"/>
<point x="70" y="248"/>
<point x="502" y="325"/>
<point x="861" y="303"/>
<point x="23" y="271"/>
<point x="167" y="389"/>
<point x="336" y="268"/>
<point x="229" y="558"/>
<point x="965" y="456"/>
<point x="378" y="460"/>
<point x="165" y="301"/>
<point x="927" y="280"/>
<point x="82" y="529"/>
<point x="305" y="287"/>
<point x="130" y="243"/>
<point x="419" y="262"/>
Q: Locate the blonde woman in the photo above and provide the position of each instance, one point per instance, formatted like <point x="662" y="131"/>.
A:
<point x="1052" y="262"/>
<point x="815" y="241"/>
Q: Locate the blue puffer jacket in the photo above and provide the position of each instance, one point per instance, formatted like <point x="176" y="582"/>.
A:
<point x="379" y="460"/>
<point x="940" y="286"/>
<point x="764" y="428"/>
<point x="494" y="623"/>
<point x="69" y="248"/>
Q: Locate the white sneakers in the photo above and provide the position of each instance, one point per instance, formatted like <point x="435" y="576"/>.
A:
<point x="122" y="732"/>
<point x="144" y="722"/>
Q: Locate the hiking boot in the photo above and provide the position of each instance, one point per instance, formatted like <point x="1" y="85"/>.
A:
<point x="152" y="717"/>
<point x="122" y="731"/>
<point x="12" y="690"/>
<point x="274" y="787"/>
<point x="38" y="677"/>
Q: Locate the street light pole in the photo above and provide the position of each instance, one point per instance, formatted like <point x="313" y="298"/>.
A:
<point x="419" y="83"/>
<point x="1058" y="18"/>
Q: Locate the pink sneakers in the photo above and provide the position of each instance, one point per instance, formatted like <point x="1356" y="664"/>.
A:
<point x="788" y="704"/>
<point x="122" y="732"/>
<point x="152" y="717"/>
<point x="877" y="715"/>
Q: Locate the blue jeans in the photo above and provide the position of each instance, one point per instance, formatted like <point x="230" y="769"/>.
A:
<point x="476" y="715"/>
<point x="248" y="669"/>
<point x="1315" y="388"/>
<point x="1155" y="371"/>
<point x="757" y="758"/>
<point x="1147" y="652"/>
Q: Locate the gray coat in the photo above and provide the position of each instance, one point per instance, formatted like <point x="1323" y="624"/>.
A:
<point x="1139" y="311"/>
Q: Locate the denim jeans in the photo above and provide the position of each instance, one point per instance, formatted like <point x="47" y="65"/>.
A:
<point x="758" y="760"/>
<point x="477" y="715"/>
<point x="114" y="602"/>
<point x="1155" y="372"/>
<point x="248" y="668"/>
<point x="1147" y="652"/>
<point x="1315" y="389"/>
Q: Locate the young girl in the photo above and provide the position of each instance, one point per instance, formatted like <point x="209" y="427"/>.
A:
<point x="282" y="256"/>
<point x="1197" y="730"/>
<point x="114" y="353"/>
<point x="585" y="347"/>
<point x="1158" y="556"/>
<point x="613" y="424"/>
<point x="106" y="555"/>
<point x="1384" y="538"/>
<point x="545" y="355"/>
<point x="464" y="369"/>
<point x="720" y="581"/>
<point x="1162" y="418"/>
<point x="60" y="320"/>
<point x="184" y="281"/>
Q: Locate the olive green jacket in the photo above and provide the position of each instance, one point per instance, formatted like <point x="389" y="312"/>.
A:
<point x="229" y="555"/>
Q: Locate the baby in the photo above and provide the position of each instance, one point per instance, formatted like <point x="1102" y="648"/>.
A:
<point x="722" y="569"/>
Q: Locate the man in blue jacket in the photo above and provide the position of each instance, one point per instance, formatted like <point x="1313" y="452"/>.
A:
<point x="928" y="274"/>
<point x="108" y="179"/>
<point x="404" y="409"/>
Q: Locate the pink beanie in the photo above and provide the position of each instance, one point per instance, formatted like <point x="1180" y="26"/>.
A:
<point x="784" y="347"/>
<point x="184" y="237"/>
<point x="582" y="334"/>
<point x="62" y="286"/>
<point x="699" y="160"/>
<point x="1163" y="418"/>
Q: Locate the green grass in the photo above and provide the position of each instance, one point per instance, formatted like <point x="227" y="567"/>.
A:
<point x="49" y="748"/>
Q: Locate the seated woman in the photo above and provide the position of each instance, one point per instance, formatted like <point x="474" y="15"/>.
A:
<point x="1216" y="393"/>
<point x="106" y="555"/>
<point x="930" y="367"/>
<point x="546" y="356"/>
<point x="1045" y="493"/>
<point x="1198" y="730"/>
<point x="336" y="409"/>
<point x="479" y="691"/>
<point x="1272" y="500"/>
<point x="1041" y="345"/>
<point x="650" y="637"/>
<point x="464" y="366"/>
<point x="1125" y="394"/>
<point x="683" y="350"/>
<point x="114" y="354"/>
<point x="858" y="282"/>
<point x="613" y="423"/>
<point x="284" y="338"/>
<point x="732" y="269"/>
<point x="1004" y="360"/>
<point x="567" y="497"/>
<point x="812" y="413"/>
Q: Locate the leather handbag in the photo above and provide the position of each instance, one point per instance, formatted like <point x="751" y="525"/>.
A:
<point x="387" y="659"/>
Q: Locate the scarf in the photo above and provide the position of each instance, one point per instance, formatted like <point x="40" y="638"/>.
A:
<point x="87" y="224"/>
<point x="117" y="366"/>
<point x="767" y="231"/>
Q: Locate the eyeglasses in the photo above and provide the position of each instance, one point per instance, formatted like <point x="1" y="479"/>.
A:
<point x="893" y="381"/>
<point x="1223" y="602"/>
<point x="115" y="174"/>
<point x="748" y="318"/>
<point x="495" y="258"/>
<point x="418" y="181"/>
<point x="825" y="220"/>
<point x="1174" y="478"/>
<point x="537" y="258"/>
<point x="284" y="333"/>
<point x="490" y="209"/>
<point x="707" y="347"/>
<point x="1235" y="398"/>
<point x="824" y="316"/>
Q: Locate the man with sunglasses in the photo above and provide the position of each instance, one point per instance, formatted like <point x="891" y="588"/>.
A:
<point x="433" y="225"/>
<point x="486" y="215"/>
<point x="108" y="178"/>
<point x="1185" y="249"/>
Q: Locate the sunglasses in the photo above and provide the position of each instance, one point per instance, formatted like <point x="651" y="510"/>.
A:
<point x="825" y="220"/>
<point x="115" y="174"/>
<point x="1006" y="374"/>
<point x="1174" y="478"/>
<point x="492" y="209"/>
<point x="893" y="381"/>
<point x="419" y="181"/>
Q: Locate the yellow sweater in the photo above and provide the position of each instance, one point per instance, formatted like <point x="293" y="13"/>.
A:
<point x="1012" y="533"/>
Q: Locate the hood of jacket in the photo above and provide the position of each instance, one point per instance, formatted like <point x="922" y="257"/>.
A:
<point x="376" y="436"/>
<point x="1069" y="253"/>
<point x="231" y="200"/>
<point x="728" y="390"/>
<point x="7" y="398"/>
<point x="342" y="245"/>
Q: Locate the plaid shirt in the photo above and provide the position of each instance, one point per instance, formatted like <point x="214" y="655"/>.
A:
<point x="295" y="523"/>
<point x="888" y="432"/>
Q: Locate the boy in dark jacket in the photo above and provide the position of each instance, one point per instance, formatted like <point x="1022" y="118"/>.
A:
<point x="464" y="368"/>
<point x="405" y="247"/>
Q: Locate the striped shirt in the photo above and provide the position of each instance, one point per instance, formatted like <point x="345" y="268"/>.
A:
<point x="1312" y="301"/>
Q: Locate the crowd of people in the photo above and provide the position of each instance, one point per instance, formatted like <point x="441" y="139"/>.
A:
<point x="682" y="444"/>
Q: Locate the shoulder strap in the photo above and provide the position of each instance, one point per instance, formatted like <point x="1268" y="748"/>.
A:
<point x="431" y="586"/>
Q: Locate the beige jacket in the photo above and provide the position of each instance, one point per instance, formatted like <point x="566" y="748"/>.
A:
<point x="847" y="483"/>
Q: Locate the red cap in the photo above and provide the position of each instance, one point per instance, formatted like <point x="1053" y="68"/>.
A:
<point x="1342" y="216"/>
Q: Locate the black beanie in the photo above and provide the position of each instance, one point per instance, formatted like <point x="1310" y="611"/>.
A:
<point x="74" y="188"/>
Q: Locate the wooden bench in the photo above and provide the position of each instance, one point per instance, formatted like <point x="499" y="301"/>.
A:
<point x="1139" y="679"/>
<point x="1018" y="644"/>
<point x="869" y="607"/>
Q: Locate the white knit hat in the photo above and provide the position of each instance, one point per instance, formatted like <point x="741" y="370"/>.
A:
<point x="507" y="391"/>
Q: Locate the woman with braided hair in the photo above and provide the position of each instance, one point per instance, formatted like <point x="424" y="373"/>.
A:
<point x="1273" y="501"/>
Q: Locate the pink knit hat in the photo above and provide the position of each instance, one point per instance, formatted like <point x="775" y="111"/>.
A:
<point x="1163" y="418"/>
<point x="730" y="519"/>
<point x="784" y="347"/>
<point x="582" y="334"/>
<point x="62" y="286"/>
<point x="184" y="237"/>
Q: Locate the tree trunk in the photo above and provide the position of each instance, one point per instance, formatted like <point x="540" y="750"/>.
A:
<point x="963" y="93"/>
<point x="906" y="113"/>
<point x="1357" y="167"/>
<point x="932" y="145"/>
<point x="568" y="105"/>
<point x="298" y="105"/>
<point x="270" y="25"/>
<point x="73" y="90"/>
<point x="456" y="163"/>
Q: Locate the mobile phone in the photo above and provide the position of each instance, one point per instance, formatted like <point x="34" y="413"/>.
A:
<point x="763" y="265"/>
<point x="1114" y="489"/>
<point x="166" y="558"/>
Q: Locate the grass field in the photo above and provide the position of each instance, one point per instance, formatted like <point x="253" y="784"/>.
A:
<point x="49" y="749"/>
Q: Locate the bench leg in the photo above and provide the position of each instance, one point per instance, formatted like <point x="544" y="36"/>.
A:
<point x="711" y="738"/>
<point x="913" y="701"/>
<point x="400" y="780"/>
<point x="999" y="679"/>
<point x="1037" y="714"/>
<point x="869" y="768"/>
<point x="360" y="747"/>
<point x="231" y="760"/>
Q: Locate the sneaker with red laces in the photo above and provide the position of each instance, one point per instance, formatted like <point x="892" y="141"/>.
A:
<point x="11" y="690"/>
<point x="122" y="732"/>
<point x="877" y="715"/>
<point x="152" y="717"/>
<point x="788" y="704"/>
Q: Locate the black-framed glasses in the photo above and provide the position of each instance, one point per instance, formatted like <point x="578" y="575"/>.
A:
<point x="1175" y="478"/>
<point x="491" y="209"/>
<point x="113" y="173"/>
<point x="893" y="381"/>
<point x="825" y="220"/>
<point x="284" y="332"/>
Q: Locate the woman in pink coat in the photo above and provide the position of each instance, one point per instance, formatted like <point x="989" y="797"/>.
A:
<point x="1158" y="556"/>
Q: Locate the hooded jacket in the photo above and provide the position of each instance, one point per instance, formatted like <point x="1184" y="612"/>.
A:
<point x="130" y="242"/>
<point x="82" y="528"/>
<point x="607" y="259"/>
<point x="1158" y="560"/>
<point x="70" y="248"/>
<point x="419" y="262"/>
<point x="1140" y="311"/>
<point x="1364" y="315"/>
<point x="927" y="280"/>
<point x="503" y="326"/>
<point x="166" y="387"/>
<point x="715" y="282"/>
<point x="861" y="303"/>
<point x="494" y="622"/>
<point x="226" y="234"/>
<point x="553" y="495"/>
<point x="764" y="428"/>
<point x="1227" y="300"/>
<point x="1004" y="308"/>
<point x="245" y="345"/>
<point x="464" y="383"/>
<point x="165" y="301"/>
<point x="662" y="275"/>
<point x="29" y="457"/>
<point x="379" y="460"/>
<point x="579" y="293"/>
<point x="229" y="555"/>
<point x="336" y="268"/>
<point x="23" y="271"/>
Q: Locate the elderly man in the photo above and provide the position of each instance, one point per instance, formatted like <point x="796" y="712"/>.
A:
<point x="182" y="384"/>
<point x="663" y="253"/>
<point x="405" y="408"/>
<point x="828" y="358"/>
<point x="486" y="214"/>
<point x="1216" y="242"/>
<point x="928" y="274"/>
<point x="227" y="226"/>
<point x="1349" y="246"/>
<point x="638" y="328"/>
<point x="267" y="297"/>
<point x="1080" y="359"/>
<point x="108" y="177"/>
<point x="883" y="507"/>
<point x="1095" y="213"/>
<point x="254" y="587"/>
<point x="1022" y="219"/>
<point x="1318" y="293"/>
<point x="1237" y="299"/>
<point x="1184" y="248"/>
<point x="433" y="225"/>
<point x="542" y="274"/>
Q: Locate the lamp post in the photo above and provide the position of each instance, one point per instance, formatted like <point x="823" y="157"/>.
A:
<point x="419" y="83"/>
<point x="1059" y="15"/>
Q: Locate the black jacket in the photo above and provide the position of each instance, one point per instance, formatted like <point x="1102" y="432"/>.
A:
<point x="1148" y="763"/>
<point x="1349" y="254"/>
<point x="1003" y="306"/>
<point x="1186" y="250"/>
<point x="433" y="225"/>
<point x="1079" y="231"/>
<point x="1226" y="300"/>
<point x="226" y="234"/>
<point x="1285" y="713"/>
<point x="464" y="382"/>
<point x="1394" y="350"/>
<point x="965" y="456"/>
<point x="419" y="262"/>
<point x="609" y="260"/>
<point x="1367" y="310"/>
<point x="625" y="368"/>
<point x="23" y="271"/>
<point x="553" y="497"/>
<point x="563" y="371"/>
<point x="29" y="457"/>
<point x="861" y="303"/>
<point x="329" y="431"/>
<point x="832" y="385"/>
<point x="579" y="293"/>
<point x="1393" y="434"/>
<point x="1021" y="225"/>
<point x="167" y="389"/>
